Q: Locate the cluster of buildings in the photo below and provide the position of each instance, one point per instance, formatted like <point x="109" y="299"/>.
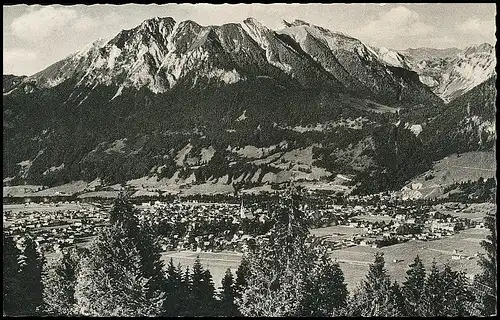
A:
<point x="233" y="227"/>
<point x="54" y="229"/>
<point x="206" y="227"/>
<point x="398" y="223"/>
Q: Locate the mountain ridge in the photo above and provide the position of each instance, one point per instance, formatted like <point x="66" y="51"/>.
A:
<point x="160" y="52"/>
<point x="453" y="72"/>
<point x="238" y="104"/>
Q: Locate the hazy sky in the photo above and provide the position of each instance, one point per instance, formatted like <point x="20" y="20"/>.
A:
<point x="36" y="36"/>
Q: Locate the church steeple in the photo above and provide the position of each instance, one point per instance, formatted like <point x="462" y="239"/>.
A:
<point x="242" y="210"/>
<point x="243" y="213"/>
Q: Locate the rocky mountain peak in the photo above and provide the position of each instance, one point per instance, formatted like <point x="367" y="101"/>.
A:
<point x="295" y="23"/>
<point x="161" y="53"/>
<point x="484" y="47"/>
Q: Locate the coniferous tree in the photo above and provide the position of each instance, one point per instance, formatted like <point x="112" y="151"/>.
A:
<point x="447" y="293"/>
<point x="376" y="297"/>
<point x="150" y="251"/>
<point x="281" y="267"/>
<point x="456" y="293"/>
<point x="486" y="281"/>
<point x="59" y="284"/>
<point x="118" y="278"/>
<point x="227" y="295"/>
<point x="241" y="276"/>
<point x="111" y="281"/>
<point x="187" y="294"/>
<point x="145" y="238"/>
<point x="30" y="279"/>
<point x="326" y="291"/>
<point x="202" y="290"/>
<point x="11" y="297"/>
<point x="396" y="298"/>
<point x="276" y="279"/>
<point x="413" y="288"/>
<point x="174" y="298"/>
<point x="433" y="292"/>
<point x="208" y="289"/>
<point x="123" y="212"/>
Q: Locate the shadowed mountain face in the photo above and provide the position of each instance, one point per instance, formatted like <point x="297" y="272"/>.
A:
<point x="466" y="124"/>
<point x="233" y="103"/>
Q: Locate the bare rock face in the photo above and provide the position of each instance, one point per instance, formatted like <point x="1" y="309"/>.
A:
<point x="452" y="72"/>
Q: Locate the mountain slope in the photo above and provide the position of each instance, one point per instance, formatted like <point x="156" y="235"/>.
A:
<point x="466" y="124"/>
<point x="453" y="72"/>
<point x="472" y="67"/>
<point x="379" y="72"/>
<point x="10" y="81"/>
<point x="161" y="53"/>
<point x="236" y="104"/>
<point x="419" y="54"/>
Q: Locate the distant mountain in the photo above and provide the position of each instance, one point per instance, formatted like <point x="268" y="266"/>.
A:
<point x="419" y="54"/>
<point x="453" y="72"/>
<point x="234" y="104"/>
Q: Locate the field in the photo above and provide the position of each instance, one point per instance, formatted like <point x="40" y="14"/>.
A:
<point x="100" y="194"/>
<point x="339" y="232"/>
<point x="66" y="189"/>
<point x="354" y="261"/>
<point x="375" y="218"/>
<point x="452" y="169"/>
<point x="43" y="207"/>
<point x="19" y="191"/>
<point x="474" y="211"/>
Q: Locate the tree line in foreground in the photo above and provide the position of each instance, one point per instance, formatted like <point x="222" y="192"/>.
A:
<point x="288" y="273"/>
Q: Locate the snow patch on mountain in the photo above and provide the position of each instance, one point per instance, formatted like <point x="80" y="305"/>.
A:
<point x="85" y="98"/>
<point x="207" y="154"/>
<point x="116" y="146"/>
<point x="452" y="72"/>
<point x="56" y="81"/>
<point x="262" y="36"/>
<point x="256" y="31"/>
<point x="181" y="155"/>
<point x="470" y="69"/>
<point x="25" y="163"/>
<point x="99" y="43"/>
<point x="250" y="151"/>
<point x="175" y="65"/>
<point x="416" y="129"/>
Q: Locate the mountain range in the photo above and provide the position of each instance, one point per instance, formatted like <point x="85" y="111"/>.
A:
<point x="240" y="105"/>
<point x="453" y="72"/>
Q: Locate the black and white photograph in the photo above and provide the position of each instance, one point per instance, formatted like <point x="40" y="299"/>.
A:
<point x="249" y="160"/>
